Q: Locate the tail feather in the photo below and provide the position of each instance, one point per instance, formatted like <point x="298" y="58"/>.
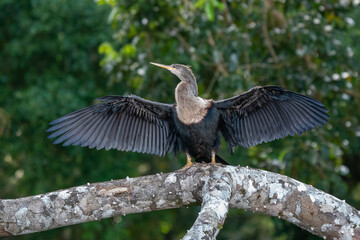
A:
<point x="207" y="159"/>
<point x="220" y="160"/>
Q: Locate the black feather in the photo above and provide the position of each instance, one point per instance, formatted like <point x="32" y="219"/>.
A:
<point x="125" y="123"/>
<point x="263" y="114"/>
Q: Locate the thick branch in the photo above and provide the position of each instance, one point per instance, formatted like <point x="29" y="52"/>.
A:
<point x="219" y="186"/>
<point x="215" y="205"/>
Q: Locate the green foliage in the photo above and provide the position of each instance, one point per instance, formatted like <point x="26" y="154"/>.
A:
<point x="58" y="56"/>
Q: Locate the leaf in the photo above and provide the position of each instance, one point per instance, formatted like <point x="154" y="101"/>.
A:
<point x="128" y="50"/>
<point x="209" y="10"/>
<point x="199" y="3"/>
<point x="218" y="4"/>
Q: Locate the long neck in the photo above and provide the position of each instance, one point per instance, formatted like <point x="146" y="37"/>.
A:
<point x="188" y="83"/>
<point x="184" y="92"/>
<point x="189" y="107"/>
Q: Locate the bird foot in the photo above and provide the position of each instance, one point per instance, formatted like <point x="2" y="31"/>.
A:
<point x="213" y="156"/>
<point x="188" y="162"/>
<point x="187" y="165"/>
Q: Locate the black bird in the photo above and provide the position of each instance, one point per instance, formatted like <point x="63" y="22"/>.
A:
<point x="193" y="124"/>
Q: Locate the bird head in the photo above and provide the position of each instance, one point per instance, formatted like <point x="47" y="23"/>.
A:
<point x="183" y="72"/>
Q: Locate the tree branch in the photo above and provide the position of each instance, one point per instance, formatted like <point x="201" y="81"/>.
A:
<point x="215" y="205"/>
<point x="218" y="187"/>
<point x="264" y="29"/>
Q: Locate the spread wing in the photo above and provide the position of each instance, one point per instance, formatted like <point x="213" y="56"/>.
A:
<point x="124" y="123"/>
<point x="263" y="114"/>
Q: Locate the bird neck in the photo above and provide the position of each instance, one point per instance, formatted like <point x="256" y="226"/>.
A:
<point x="188" y="81"/>
<point x="184" y="92"/>
<point x="190" y="108"/>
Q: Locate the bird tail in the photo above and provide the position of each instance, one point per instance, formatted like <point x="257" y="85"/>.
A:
<point x="207" y="159"/>
<point x="220" y="160"/>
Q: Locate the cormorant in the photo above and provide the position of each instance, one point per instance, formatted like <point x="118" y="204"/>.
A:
<point x="193" y="124"/>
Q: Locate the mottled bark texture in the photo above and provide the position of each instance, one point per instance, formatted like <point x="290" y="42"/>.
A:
<point x="216" y="187"/>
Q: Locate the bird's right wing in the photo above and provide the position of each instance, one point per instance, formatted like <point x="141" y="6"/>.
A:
<point x="124" y="123"/>
<point x="263" y="114"/>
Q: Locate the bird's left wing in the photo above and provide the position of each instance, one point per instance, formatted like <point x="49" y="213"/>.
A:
<point x="125" y="123"/>
<point x="263" y="114"/>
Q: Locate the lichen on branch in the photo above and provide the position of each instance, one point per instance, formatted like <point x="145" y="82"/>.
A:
<point x="216" y="187"/>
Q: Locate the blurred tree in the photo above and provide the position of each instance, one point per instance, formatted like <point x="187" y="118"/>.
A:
<point x="50" y="66"/>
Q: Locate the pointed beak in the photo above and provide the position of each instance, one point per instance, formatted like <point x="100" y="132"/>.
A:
<point x="162" y="65"/>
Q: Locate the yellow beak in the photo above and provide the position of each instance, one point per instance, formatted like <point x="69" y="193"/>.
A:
<point x="162" y="65"/>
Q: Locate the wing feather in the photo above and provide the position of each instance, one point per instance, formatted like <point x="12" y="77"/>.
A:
<point x="258" y="130"/>
<point x="306" y="116"/>
<point x="162" y="134"/>
<point x="99" y="133"/>
<point x="263" y="114"/>
<point x="105" y="133"/>
<point x="127" y="131"/>
<point x="235" y="137"/>
<point x="111" y="133"/>
<point x="147" y="139"/>
<point x="141" y="137"/>
<point x="157" y="140"/>
<point x="123" y="123"/>
<point x="298" y="118"/>
<point x="134" y="133"/>
<point x="292" y="115"/>
<point x="244" y="129"/>
<point x="82" y="130"/>
<point x="87" y="138"/>
<point x="108" y="135"/>
<point x="265" y="122"/>
<point x="153" y="142"/>
<point x="287" y="127"/>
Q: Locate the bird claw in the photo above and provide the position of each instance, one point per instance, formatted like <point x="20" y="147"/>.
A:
<point x="187" y="165"/>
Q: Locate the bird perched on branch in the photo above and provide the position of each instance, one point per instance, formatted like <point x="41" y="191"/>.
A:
<point x="193" y="124"/>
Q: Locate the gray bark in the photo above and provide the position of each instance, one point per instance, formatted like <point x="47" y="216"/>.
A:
<point x="216" y="187"/>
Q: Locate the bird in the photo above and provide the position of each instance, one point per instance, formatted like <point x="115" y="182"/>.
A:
<point x="192" y="124"/>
